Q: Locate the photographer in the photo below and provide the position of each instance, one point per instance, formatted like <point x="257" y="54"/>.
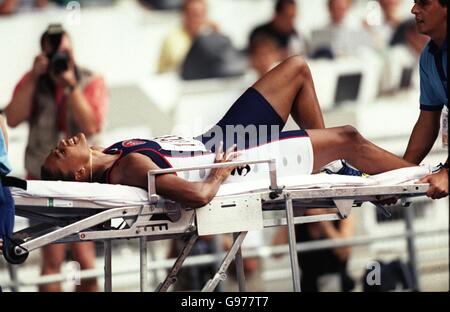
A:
<point x="58" y="99"/>
<point x="8" y="7"/>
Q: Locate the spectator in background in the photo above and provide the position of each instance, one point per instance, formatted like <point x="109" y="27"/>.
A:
<point x="177" y="44"/>
<point x="13" y="6"/>
<point x="340" y="37"/>
<point x="282" y="28"/>
<point x="161" y="4"/>
<point x="401" y="59"/>
<point x="315" y="265"/>
<point x="338" y="10"/>
<point x="264" y="53"/>
<point x="390" y="10"/>
<point x="58" y="99"/>
<point x="382" y="33"/>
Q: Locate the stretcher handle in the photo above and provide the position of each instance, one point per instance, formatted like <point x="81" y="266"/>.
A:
<point x="153" y="197"/>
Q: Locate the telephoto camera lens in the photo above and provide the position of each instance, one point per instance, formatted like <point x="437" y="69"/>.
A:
<point x="59" y="63"/>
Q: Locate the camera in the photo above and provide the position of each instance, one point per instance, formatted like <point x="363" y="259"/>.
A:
<point x="58" y="61"/>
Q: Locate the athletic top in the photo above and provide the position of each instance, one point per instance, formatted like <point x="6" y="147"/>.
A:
<point x="292" y="150"/>
<point x="158" y="150"/>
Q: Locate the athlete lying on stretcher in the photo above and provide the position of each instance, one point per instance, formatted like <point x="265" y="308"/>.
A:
<point x="287" y="89"/>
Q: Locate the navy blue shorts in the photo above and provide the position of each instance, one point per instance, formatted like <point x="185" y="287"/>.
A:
<point x="250" y="109"/>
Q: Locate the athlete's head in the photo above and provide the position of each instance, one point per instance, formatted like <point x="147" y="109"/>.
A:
<point x="70" y="160"/>
<point x="431" y="17"/>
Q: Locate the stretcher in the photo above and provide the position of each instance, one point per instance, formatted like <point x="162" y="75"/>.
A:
<point x="77" y="211"/>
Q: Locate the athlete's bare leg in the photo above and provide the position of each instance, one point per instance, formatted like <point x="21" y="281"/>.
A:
<point x="347" y="143"/>
<point x="289" y="88"/>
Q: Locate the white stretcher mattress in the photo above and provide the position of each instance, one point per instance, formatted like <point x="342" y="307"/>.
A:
<point x="119" y="195"/>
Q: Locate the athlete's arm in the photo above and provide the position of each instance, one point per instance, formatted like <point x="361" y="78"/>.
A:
<point x="423" y="136"/>
<point x="132" y="170"/>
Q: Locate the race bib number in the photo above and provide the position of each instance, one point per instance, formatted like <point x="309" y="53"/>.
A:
<point x="181" y="144"/>
<point x="444" y="127"/>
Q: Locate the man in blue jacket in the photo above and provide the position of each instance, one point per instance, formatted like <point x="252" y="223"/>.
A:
<point x="431" y="20"/>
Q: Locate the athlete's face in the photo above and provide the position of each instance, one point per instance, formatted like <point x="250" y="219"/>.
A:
<point x="431" y="17"/>
<point x="70" y="157"/>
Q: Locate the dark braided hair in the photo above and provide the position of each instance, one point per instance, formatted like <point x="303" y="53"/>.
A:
<point x="49" y="175"/>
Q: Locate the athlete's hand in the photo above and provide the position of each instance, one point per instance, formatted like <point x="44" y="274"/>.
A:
<point x="222" y="174"/>
<point x="438" y="184"/>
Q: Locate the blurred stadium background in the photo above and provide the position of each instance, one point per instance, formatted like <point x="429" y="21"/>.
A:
<point x="121" y="40"/>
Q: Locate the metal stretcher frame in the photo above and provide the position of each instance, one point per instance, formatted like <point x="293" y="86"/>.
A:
<point x="81" y="220"/>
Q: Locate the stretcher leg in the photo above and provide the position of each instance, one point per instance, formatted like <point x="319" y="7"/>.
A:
<point x="108" y="265"/>
<point x="292" y="244"/>
<point x="172" y="276"/>
<point x="221" y="275"/>
<point x="143" y="262"/>
<point x="240" y="274"/>
<point x="410" y="240"/>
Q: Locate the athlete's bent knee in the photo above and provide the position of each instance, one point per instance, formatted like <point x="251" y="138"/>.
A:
<point x="298" y="64"/>
<point x="350" y="132"/>
<point x="354" y="142"/>
<point x="350" y="135"/>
